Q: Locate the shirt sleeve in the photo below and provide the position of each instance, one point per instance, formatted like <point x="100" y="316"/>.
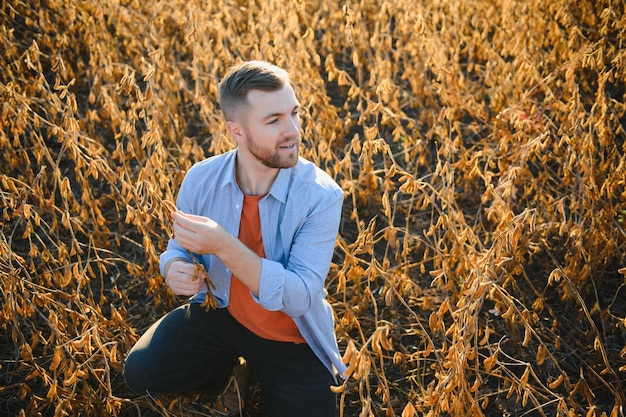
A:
<point x="293" y="288"/>
<point x="174" y="251"/>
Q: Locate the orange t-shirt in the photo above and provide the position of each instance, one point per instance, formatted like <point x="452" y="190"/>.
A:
<point x="272" y="325"/>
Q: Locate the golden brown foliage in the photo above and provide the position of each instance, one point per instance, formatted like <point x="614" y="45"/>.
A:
<point x="480" y="265"/>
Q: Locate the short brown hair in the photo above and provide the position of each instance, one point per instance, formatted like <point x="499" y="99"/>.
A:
<point x="249" y="75"/>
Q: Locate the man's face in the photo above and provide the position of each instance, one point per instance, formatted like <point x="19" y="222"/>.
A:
<point x="271" y="123"/>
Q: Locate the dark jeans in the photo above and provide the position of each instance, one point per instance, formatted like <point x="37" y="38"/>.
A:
<point x="191" y="349"/>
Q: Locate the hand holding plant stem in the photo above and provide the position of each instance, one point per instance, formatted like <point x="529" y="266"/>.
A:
<point x="199" y="271"/>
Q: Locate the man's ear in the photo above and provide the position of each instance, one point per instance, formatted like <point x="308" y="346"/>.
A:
<point x="236" y="130"/>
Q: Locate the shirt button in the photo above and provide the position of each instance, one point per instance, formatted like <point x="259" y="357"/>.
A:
<point x="237" y="206"/>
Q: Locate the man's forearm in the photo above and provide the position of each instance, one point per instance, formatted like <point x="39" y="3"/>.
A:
<point x="242" y="262"/>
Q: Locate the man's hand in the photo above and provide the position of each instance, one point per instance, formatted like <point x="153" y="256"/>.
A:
<point x="180" y="278"/>
<point x="204" y="236"/>
<point x="198" y="234"/>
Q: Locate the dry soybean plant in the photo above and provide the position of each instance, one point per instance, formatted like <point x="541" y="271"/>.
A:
<point x="479" y="268"/>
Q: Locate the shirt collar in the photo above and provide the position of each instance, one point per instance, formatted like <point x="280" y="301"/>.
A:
<point x="231" y="175"/>
<point x="279" y="188"/>
<point x="281" y="185"/>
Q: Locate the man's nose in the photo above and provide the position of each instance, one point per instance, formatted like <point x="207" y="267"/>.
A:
<point x="292" y="126"/>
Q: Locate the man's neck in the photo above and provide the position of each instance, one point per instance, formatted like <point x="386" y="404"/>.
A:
<point x="254" y="178"/>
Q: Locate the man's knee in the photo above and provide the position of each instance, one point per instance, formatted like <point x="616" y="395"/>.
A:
<point x="134" y="375"/>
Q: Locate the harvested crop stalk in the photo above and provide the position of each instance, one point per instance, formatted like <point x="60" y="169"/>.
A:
<point x="209" y="302"/>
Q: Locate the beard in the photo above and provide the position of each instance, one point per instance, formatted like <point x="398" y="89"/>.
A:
<point x="273" y="158"/>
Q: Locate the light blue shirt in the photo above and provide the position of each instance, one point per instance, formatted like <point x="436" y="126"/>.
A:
<point x="299" y="224"/>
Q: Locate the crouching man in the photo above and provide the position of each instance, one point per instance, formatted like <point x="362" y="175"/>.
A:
<point x="262" y="222"/>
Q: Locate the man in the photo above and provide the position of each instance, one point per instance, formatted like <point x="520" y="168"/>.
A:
<point x="262" y="222"/>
